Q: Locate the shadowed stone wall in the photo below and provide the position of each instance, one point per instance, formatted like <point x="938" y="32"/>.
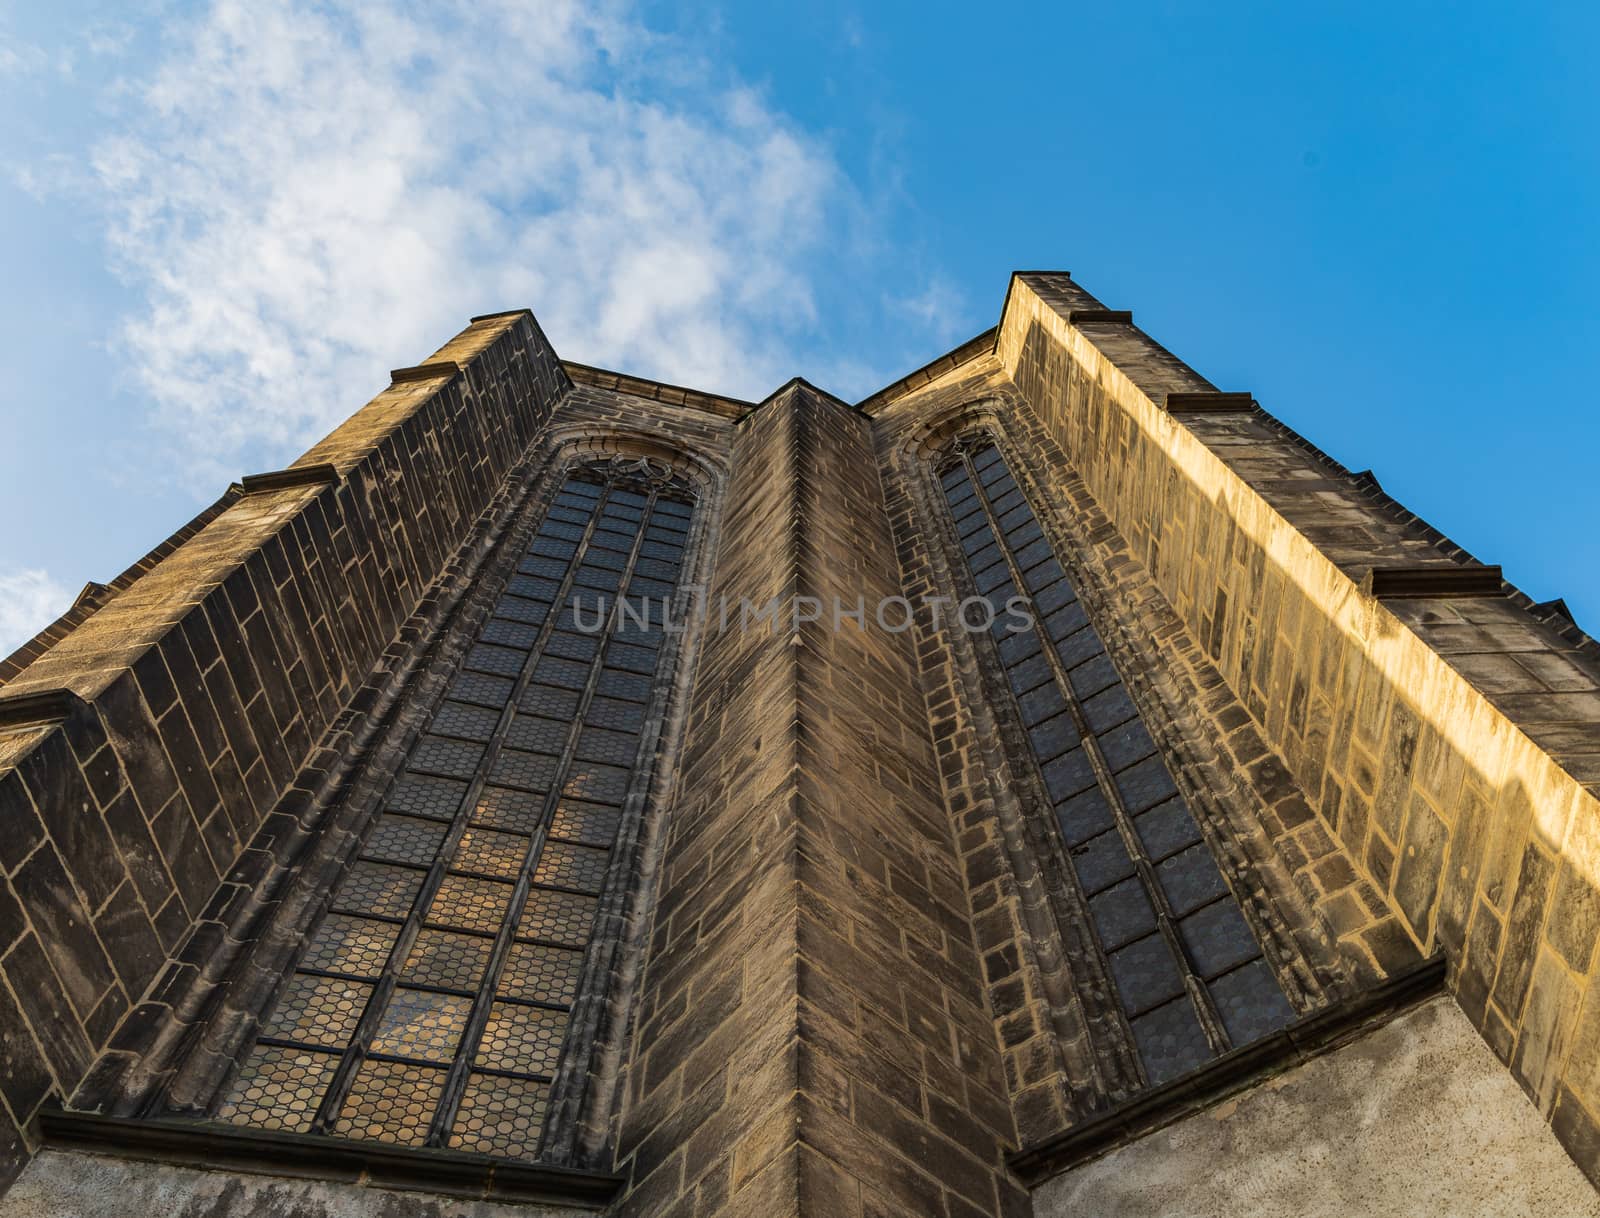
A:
<point x="65" y="1184"/>
<point x="140" y="752"/>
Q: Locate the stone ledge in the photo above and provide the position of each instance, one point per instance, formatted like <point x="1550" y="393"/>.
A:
<point x="1089" y="317"/>
<point x="658" y="391"/>
<point x="496" y="316"/>
<point x="1456" y="579"/>
<point x="423" y="372"/>
<point x="1199" y="402"/>
<point x="221" y="1148"/>
<point x="1315" y="1034"/>
<point x="41" y="707"/>
<point x="319" y="474"/>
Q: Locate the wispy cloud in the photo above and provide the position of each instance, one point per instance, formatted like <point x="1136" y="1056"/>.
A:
<point x="938" y="308"/>
<point x="29" y="601"/>
<point x="304" y="195"/>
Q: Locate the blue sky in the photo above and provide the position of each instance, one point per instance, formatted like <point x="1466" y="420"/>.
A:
<point x="220" y="224"/>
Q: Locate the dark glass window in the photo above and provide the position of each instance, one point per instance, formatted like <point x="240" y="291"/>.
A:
<point x="1189" y="975"/>
<point x="431" y="1003"/>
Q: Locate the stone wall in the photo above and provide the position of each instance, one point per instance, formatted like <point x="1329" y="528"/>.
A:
<point x="142" y="750"/>
<point x="839" y="987"/>
<point x="813" y="1038"/>
<point x="68" y="1184"/>
<point x="1450" y="744"/>
<point x="1325" y="1139"/>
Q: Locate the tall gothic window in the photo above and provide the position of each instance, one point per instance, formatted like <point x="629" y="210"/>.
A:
<point x="1189" y="977"/>
<point x="431" y="1004"/>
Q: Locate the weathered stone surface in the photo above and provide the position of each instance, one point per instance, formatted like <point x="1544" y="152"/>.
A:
<point x="812" y="988"/>
<point x="65" y="1184"/>
<point x="1415" y="1120"/>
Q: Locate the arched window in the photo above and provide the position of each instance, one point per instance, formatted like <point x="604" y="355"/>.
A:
<point x="430" y="1005"/>
<point x="1185" y="969"/>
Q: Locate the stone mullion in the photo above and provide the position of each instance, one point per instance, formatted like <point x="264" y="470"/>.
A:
<point x="1166" y="922"/>
<point x="459" y="1070"/>
<point x="356" y="1052"/>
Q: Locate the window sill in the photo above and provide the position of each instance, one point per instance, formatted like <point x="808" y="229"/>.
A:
<point x="373" y="1165"/>
<point x="1243" y="1068"/>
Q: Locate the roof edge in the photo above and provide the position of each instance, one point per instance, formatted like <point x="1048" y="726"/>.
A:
<point x="659" y="391"/>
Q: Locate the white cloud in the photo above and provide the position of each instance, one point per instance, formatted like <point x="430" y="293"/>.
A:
<point x="29" y="601"/>
<point x="304" y="195"/>
<point x="939" y="308"/>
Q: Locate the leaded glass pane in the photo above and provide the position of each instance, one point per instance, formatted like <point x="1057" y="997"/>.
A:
<point x="391" y="1102"/>
<point x="279" y="1088"/>
<point x="354" y="947"/>
<point x="500" y="1116"/>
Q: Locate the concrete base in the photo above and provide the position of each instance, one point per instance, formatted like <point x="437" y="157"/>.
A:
<point x="1416" y="1119"/>
<point x="66" y="1184"/>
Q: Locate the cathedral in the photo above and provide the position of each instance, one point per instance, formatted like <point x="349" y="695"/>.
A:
<point x="1048" y="786"/>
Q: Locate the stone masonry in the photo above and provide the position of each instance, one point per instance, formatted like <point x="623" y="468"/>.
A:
<point x="844" y="960"/>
